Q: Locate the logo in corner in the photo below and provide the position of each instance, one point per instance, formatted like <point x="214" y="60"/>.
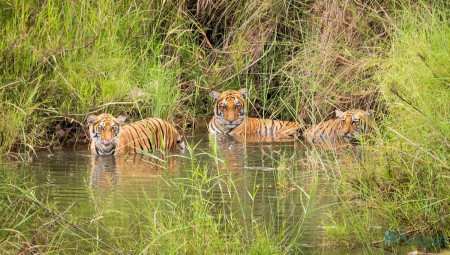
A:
<point x="389" y="237"/>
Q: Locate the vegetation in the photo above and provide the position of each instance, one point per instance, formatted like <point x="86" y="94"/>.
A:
<point x="60" y="61"/>
<point x="300" y="60"/>
<point x="202" y="214"/>
<point x="404" y="179"/>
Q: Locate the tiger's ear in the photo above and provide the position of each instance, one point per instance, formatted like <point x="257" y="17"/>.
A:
<point x="338" y="113"/>
<point x="243" y="92"/>
<point x="91" y="119"/>
<point x="215" y="95"/>
<point x="121" y="119"/>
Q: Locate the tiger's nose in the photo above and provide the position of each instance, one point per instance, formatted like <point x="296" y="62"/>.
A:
<point x="106" y="142"/>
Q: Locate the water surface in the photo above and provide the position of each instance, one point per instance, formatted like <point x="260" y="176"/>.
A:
<point x="273" y="179"/>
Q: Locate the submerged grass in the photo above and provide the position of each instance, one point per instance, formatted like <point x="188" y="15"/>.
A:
<point x="61" y="60"/>
<point x="202" y="213"/>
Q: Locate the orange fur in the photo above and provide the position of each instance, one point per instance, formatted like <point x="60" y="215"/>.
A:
<point x="109" y="137"/>
<point x="344" y="128"/>
<point x="229" y="118"/>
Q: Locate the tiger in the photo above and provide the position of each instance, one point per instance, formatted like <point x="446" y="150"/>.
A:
<point x="346" y="127"/>
<point x="230" y="118"/>
<point x="109" y="136"/>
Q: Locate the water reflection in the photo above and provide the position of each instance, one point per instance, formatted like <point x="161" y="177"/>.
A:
<point x="270" y="181"/>
<point x="257" y="138"/>
<point x="107" y="171"/>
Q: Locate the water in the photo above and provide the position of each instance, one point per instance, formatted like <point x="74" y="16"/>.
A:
<point x="273" y="180"/>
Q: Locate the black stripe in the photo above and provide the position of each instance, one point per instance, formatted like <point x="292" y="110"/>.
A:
<point x="126" y="137"/>
<point x="132" y="137"/>
<point x="154" y="130"/>
<point x="157" y="129"/>
<point x="330" y="132"/>
<point x="147" y="132"/>
<point x="217" y="126"/>
<point x="167" y="136"/>
<point x="211" y="127"/>
<point x="260" y="126"/>
<point x="141" y="127"/>
<point x="138" y="138"/>
<point x="265" y="127"/>
<point x="163" y="132"/>
<point x="144" y="127"/>
<point x="321" y="130"/>
<point x="229" y="131"/>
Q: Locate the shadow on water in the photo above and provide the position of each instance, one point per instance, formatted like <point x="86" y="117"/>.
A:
<point x="272" y="181"/>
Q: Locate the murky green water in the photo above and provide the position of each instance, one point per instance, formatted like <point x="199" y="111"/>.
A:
<point x="273" y="181"/>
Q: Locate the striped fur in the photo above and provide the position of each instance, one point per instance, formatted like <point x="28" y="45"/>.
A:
<point x="109" y="137"/>
<point x="345" y="128"/>
<point x="229" y="118"/>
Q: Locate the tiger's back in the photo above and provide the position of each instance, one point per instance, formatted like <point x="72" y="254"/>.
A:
<point x="109" y="137"/>
<point x="148" y="135"/>
<point x="345" y="128"/>
<point x="267" y="127"/>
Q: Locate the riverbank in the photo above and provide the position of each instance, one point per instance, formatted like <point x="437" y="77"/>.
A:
<point x="299" y="61"/>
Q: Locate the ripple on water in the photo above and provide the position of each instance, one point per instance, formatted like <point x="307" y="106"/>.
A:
<point x="262" y="172"/>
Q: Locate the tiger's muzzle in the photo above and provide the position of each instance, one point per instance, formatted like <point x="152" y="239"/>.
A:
<point x="232" y="124"/>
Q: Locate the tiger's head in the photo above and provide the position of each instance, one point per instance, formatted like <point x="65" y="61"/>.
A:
<point x="229" y="107"/>
<point x="104" y="130"/>
<point x="352" y="123"/>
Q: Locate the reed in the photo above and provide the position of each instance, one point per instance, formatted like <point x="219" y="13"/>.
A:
<point x="402" y="182"/>
<point x="300" y="60"/>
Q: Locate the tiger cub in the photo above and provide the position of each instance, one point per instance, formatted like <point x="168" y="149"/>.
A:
<point x="229" y="118"/>
<point x="109" y="136"/>
<point x="347" y="127"/>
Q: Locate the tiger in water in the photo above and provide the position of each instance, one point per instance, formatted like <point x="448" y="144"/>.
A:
<point x="346" y="127"/>
<point x="230" y="118"/>
<point x="109" y="136"/>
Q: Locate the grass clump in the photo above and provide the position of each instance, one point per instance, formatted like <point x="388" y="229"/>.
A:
<point x="403" y="182"/>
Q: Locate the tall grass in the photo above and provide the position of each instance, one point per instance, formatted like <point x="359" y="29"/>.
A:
<point x="403" y="183"/>
<point x="300" y="60"/>
<point x="63" y="60"/>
